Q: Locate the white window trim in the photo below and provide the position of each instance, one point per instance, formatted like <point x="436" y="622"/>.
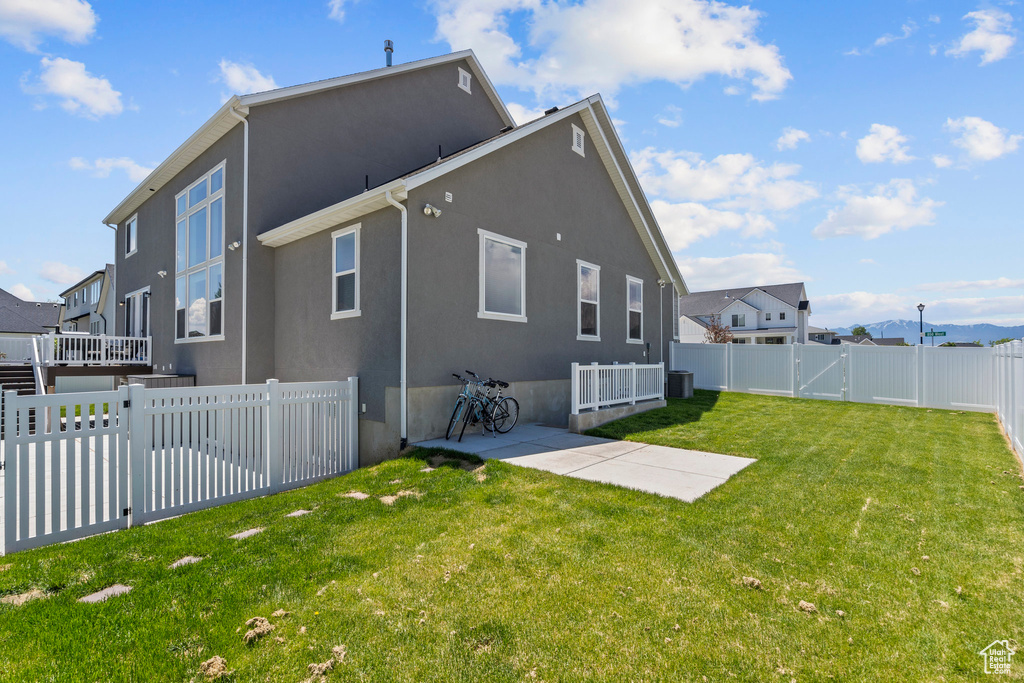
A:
<point x="767" y="316"/>
<point x="210" y="197"/>
<point x="579" y="300"/>
<point x="481" y="312"/>
<point x="630" y="279"/>
<point x="335" y="313"/>
<point x="578" y="132"/>
<point x="782" y="315"/>
<point x="465" y="80"/>
<point x="134" y="219"/>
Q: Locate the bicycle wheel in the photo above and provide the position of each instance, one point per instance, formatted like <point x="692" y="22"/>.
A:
<point x="467" y="415"/>
<point x="505" y="415"/>
<point x="460" y="404"/>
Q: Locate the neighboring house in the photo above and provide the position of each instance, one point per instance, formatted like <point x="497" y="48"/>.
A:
<point x="769" y="314"/>
<point x="90" y="305"/>
<point x="396" y="225"/>
<point x="821" y="335"/>
<point x="19" y="318"/>
<point x="868" y="340"/>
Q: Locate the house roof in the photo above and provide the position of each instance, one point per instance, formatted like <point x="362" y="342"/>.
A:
<point x="225" y="119"/>
<point x="83" y="281"/>
<point x="765" y="332"/>
<point x="715" y="301"/>
<point x="606" y="141"/>
<point x="42" y="314"/>
<point x="875" y="341"/>
<point x="12" y="322"/>
<point x="811" y="329"/>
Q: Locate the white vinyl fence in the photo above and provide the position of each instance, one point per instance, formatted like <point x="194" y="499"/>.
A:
<point x="80" y="464"/>
<point x="953" y="378"/>
<point x="1010" y="391"/>
<point x="15" y="350"/>
<point x="597" y="386"/>
<point x="101" y="350"/>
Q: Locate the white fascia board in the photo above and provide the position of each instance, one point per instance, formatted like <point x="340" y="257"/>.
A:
<point x="200" y="141"/>
<point x="351" y="209"/>
<point x="739" y="301"/>
<point x="657" y="237"/>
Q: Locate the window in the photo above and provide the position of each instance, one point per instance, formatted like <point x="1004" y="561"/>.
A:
<point x="465" y="80"/>
<point x="782" y="315"/>
<point x="136" y="314"/>
<point x="346" y="273"/>
<point x="502" y="278"/>
<point x="577" y="139"/>
<point x="131" y="235"/>
<point x="588" y="294"/>
<point x="634" y="310"/>
<point x="739" y="319"/>
<point x="199" y="259"/>
<point x="768" y="316"/>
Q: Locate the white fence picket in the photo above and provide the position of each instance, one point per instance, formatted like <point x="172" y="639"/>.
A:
<point x="138" y="455"/>
<point x="595" y="386"/>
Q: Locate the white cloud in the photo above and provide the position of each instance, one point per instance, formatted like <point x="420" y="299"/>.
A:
<point x="883" y="143"/>
<point x="242" y="79"/>
<point x="941" y="161"/>
<point x="22" y="292"/>
<point x="858" y="305"/>
<point x="23" y="23"/>
<point x="992" y="36"/>
<point x="734" y="181"/>
<point x="791" y="137"/>
<point x="687" y="222"/>
<point x="82" y="93"/>
<point x="869" y="261"/>
<point x="522" y="114"/>
<point x="60" y="273"/>
<point x="101" y="168"/>
<point x="336" y="10"/>
<point x="843" y="309"/>
<point x="982" y="139"/>
<point x="908" y="29"/>
<point x="672" y="117"/>
<point x="998" y="283"/>
<point x="934" y="19"/>
<point x="706" y="273"/>
<point x="5" y="269"/>
<point x="601" y="45"/>
<point x="894" y="206"/>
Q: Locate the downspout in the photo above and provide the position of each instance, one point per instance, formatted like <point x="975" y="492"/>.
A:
<point x="661" y="321"/>
<point x="245" y="242"/>
<point x="403" y="391"/>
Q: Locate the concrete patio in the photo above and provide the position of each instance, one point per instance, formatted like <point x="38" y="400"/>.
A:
<point x="672" y="472"/>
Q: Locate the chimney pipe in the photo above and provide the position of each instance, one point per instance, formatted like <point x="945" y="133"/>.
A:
<point x="389" y="47"/>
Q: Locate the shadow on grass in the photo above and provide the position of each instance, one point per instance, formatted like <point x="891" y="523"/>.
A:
<point x="444" y="457"/>
<point x="679" y="411"/>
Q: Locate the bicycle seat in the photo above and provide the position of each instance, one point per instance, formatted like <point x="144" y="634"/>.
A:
<point x="498" y="382"/>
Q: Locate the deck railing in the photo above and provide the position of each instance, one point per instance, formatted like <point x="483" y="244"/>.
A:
<point x="96" y="350"/>
<point x="597" y="386"/>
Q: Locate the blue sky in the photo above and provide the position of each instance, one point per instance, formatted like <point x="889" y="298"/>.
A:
<point x="873" y="149"/>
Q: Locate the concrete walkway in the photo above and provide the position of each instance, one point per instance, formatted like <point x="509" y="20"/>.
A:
<point x="673" y="472"/>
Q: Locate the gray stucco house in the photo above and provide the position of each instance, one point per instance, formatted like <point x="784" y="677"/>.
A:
<point x="397" y="225"/>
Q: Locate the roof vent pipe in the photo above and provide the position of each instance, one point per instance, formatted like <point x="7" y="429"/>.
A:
<point x="389" y="47"/>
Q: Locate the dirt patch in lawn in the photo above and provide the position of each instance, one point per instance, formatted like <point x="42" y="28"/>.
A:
<point x="390" y="500"/>
<point x="258" y="627"/>
<point x="22" y="598"/>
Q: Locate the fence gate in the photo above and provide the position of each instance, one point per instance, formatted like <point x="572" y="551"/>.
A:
<point x="65" y="467"/>
<point x="821" y="372"/>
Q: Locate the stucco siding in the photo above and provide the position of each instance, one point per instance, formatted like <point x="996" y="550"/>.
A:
<point x="530" y="191"/>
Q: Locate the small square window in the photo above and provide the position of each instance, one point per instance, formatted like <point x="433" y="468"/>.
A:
<point x="767" y="316"/>
<point x="465" y="80"/>
<point x="782" y="315"/>
<point x="739" y="319"/>
<point x="502" y="278"/>
<point x="578" y="136"/>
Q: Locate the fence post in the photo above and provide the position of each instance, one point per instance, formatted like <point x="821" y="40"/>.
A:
<point x="275" y="450"/>
<point x="137" y="450"/>
<point x="595" y="378"/>
<point x="123" y="448"/>
<point x="728" y="366"/>
<point x="575" y="388"/>
<point x="920" y="376"/>
<point x="10" y="472"/>
<point x="663" y="378"/>
<point x="632" y="384"/>
<point x="352" y="435"/>
<point x="795" y="356"/>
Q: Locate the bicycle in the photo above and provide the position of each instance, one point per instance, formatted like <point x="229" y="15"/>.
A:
<point x="461" y="401"/>
<point x="497" y="413"/>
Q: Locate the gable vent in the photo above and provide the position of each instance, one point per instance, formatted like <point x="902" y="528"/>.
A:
<point x="465" y="80"/>
<point x="578" y="137"/>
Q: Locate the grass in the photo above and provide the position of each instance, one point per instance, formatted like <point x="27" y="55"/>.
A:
<point x="78" y="410"/>
<point x="526" y="575"/>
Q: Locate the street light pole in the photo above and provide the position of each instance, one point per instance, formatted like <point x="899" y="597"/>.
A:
<point x="920" y="309"/>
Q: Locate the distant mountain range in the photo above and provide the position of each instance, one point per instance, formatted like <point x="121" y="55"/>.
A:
<point x="910" y="330"/>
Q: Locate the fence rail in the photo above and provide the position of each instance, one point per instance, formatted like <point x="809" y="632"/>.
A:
<point x="81" y="464"/>
<point x="596" y="386"/>
<point x="952" y="378"/>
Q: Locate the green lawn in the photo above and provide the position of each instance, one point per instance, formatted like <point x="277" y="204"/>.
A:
<point x="529" y="576"/>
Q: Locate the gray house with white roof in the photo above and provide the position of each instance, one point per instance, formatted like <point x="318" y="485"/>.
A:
<point x="397" y="225"/>
<point x="767" y="314"/>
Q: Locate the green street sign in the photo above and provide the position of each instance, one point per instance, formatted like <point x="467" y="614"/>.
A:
<point x="934" y="334"/>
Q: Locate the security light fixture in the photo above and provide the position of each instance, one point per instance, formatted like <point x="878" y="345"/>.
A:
<point x="234" y="245"/>
<point x="162" y="273"/>
<point x="429" y="210"/>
